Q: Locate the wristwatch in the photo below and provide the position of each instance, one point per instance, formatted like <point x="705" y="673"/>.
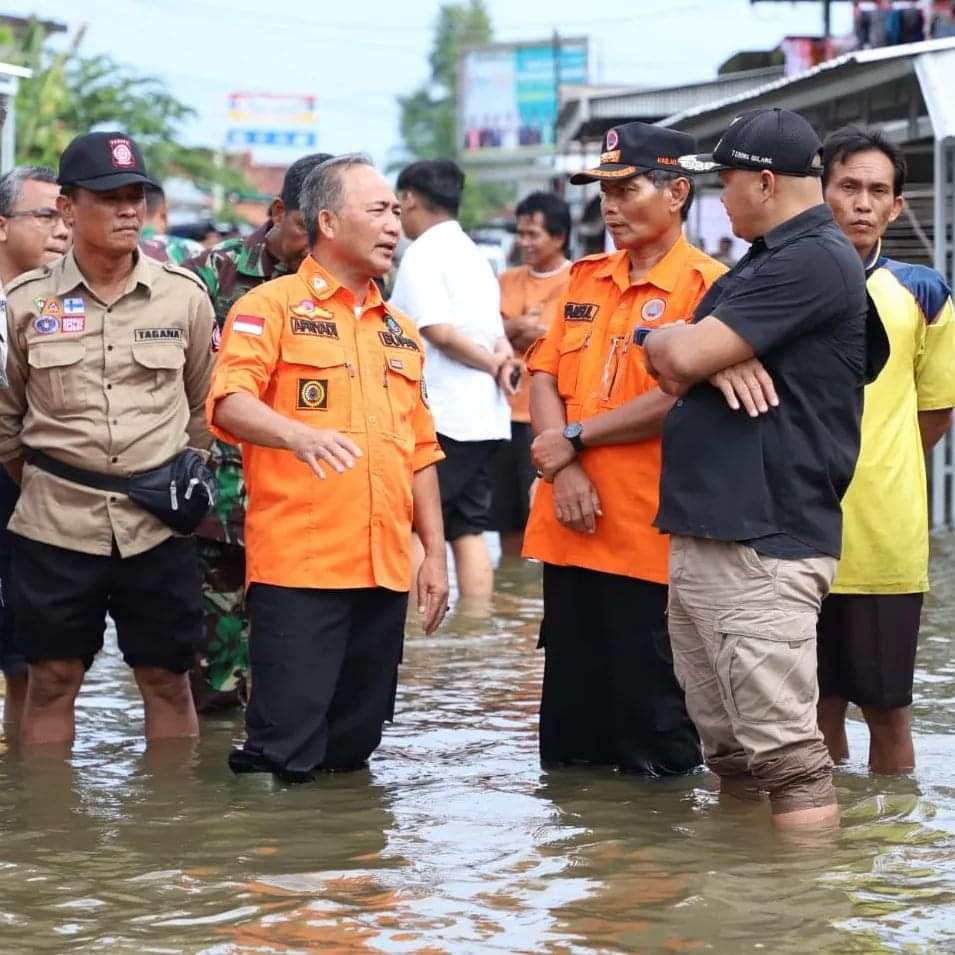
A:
<point x="640" y="334"/>
<point x="572" y="433"/>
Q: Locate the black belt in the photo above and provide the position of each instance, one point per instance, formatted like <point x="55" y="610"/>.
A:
<point x="94" y="479"/>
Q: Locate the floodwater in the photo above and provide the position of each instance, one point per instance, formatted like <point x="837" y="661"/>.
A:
<point x="455" y="841"/>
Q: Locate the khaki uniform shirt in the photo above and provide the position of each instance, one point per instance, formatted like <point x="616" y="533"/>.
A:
<point x="114" y="388"/>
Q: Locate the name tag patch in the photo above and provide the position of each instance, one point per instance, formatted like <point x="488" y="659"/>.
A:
<point x="313" y="326"/>
<point x="312" y="394"/>
<point x="580" y="312"/>
<point x="157" y="335"/>
<point x="390" y="340"/>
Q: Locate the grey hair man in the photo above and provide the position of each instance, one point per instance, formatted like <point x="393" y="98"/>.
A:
<point x="32" y="233"/>
<point x="321" y="383"/>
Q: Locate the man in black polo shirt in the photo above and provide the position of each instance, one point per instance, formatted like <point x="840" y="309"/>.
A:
<point x="752" y="500"/>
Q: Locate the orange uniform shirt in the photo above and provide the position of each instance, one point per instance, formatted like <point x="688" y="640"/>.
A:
<point x="522" y="291"/>
<point x="296" y="344"/>
<point x="589" y="350"/>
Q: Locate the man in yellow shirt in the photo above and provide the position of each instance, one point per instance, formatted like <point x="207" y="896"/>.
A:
<point x="868" y="628"/>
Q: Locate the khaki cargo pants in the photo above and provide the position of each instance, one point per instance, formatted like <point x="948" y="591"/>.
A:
<point x="743" y="631"/>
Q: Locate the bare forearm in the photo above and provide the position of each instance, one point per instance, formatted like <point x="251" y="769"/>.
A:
<point x="933" y="425"/>
<point x="428" y="523"/>
<point x="251" y="420"/>
<point x="456" y="345"/>
<point x="681" y="355"/>
<point x="638" y="419"/>
<point x="547" y="407"/>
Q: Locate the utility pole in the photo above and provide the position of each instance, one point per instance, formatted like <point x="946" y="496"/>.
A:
<point x="555" y="45"/>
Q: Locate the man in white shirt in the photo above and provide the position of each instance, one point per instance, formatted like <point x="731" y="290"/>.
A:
<point x="448" y="287"/>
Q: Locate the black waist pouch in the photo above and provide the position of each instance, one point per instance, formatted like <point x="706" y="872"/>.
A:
<point x="180" y="493"/>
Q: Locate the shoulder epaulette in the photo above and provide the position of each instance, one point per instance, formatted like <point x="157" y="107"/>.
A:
<point x="43" y="272"/>
<point x="184" y="273"/>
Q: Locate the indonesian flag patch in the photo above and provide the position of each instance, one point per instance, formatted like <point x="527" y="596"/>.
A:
<point x="249" y="324"/>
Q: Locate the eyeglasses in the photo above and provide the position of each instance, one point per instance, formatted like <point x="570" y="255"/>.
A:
<point x="49" y="217"/>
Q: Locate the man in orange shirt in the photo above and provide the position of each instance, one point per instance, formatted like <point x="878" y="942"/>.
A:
<point x="322" y="384"/>
<point x="529" y="298"/>
<point x="609" y="695"/>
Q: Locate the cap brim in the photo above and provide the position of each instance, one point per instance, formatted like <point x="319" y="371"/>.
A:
<point x="700" y="164"/>
<point x="606" y="171"/>
<point x="113" y="181"/>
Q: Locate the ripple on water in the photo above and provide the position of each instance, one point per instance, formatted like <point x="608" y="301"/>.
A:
<point x="454" y="840"/>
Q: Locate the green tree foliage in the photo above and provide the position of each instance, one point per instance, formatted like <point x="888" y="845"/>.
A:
<point x="429" y="114"/>
<point x="70" y="94"/>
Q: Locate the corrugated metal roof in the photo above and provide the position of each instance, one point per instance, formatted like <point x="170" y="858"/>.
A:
<point x="671" y="99"/>
<point x="861" y="58"/>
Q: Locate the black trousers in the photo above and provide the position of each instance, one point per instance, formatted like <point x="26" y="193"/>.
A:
<point x="324" y="676"/>
<point x="609" y="694"/>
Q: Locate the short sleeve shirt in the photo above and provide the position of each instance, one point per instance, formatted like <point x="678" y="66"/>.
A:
<point x="885" y="539"/>
<point x="523" y="292"/>
<point x="444" y="278"/>
<point x="798" y="297"/>
<point x="300" y="345"/>
<point x="589" y="350"/>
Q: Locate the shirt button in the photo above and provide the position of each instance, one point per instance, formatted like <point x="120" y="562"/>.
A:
<point x="112" y="499"/>
<point x="679" y="402"/>
<point x="115" y="460"/>
<point x="115" y="421"/>
<point x="109" y="387"/>
<point x="109" y="347"/>
<point x="371" y="419"/>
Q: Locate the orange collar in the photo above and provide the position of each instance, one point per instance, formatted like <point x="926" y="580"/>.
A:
<point x="323" y="285"/>
<point x="664" y="275"/>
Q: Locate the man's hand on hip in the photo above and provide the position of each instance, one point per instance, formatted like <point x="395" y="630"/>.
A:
<point x="576" y="503"/>
<point x="317" y="445"/>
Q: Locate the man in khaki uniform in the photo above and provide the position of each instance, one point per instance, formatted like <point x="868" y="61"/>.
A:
<point x="109" y="363"/>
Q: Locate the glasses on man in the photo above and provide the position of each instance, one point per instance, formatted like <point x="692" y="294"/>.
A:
<point x="46" y="216"/>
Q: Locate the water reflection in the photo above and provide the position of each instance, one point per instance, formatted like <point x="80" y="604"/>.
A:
<point x="455" y="840"/>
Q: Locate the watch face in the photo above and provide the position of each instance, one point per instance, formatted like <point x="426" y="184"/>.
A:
<point x="573" y="430"/>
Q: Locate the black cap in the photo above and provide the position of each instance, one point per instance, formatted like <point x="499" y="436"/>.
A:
<point x="774" y="139"/>
<point x="103" y="161"/>
<point x="635" y="148"/>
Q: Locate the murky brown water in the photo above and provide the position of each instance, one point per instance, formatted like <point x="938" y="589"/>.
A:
<point x="456" y="841"/>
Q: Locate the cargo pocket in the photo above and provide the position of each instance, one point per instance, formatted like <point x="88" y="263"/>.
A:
<point x="316" y="387"/>
<point x="57" y="380"/>
<point x="766" y="664"/>
<point x="402" y="381"/>
<point x="571" y="349"/>
<point x="160" y="367"/>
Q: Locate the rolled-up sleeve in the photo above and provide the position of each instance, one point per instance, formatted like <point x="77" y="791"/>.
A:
<point x="248" y="354"/>
<point x="426" y="448"/>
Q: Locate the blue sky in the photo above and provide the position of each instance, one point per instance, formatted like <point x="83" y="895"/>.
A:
<point x="357" y="59"/>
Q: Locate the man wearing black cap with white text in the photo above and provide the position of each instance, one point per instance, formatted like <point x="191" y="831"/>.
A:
<point x="757" y="454"/>
<point x="609" y="695"/>
<point x="109" y="365"/>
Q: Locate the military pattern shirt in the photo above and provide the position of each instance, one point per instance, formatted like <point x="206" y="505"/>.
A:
<point x="229" y="270"/>
<point x="115" y="388"/>
<point x="169" y="248"/>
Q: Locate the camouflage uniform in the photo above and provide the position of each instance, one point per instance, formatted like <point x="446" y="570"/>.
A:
<point x="168" y="248"/>
<point x="220" y="678"/>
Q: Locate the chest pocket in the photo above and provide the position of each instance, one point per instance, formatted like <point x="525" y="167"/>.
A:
<point x="315" y="384"/>
<point x="57" y="379"/>
<point x="402" y="382"/>
<point x="158" y="370"/>
<point x="572" y="348"/>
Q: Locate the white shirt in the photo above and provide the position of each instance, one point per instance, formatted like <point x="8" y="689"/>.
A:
<point x="445" y="279"/>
